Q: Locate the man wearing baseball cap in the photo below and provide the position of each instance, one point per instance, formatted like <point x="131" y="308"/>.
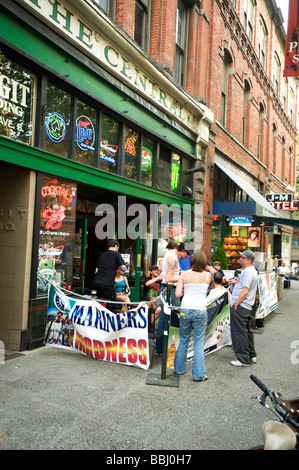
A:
<point x="242" y="301"/>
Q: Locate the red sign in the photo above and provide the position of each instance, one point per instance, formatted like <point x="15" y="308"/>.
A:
<point x="292" y="44"/>
<point x="54" y="218"/>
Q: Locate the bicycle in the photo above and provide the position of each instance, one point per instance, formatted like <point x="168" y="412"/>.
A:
<point x="282" y="433"/>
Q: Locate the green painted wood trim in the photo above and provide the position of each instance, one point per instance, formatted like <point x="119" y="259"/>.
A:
<point x="36" y="159"/>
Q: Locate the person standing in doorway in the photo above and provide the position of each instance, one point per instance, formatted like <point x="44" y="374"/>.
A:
<point x="242" y="300"/>
<point x="107" y="265"/>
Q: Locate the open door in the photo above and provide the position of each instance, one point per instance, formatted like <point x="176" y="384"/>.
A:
<point x="80" y="245"/>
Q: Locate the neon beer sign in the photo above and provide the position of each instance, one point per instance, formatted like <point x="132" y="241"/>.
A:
<point x="54" y="218"/>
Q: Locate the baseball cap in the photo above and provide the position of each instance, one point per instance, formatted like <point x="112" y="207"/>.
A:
<point x="188" y="246"/>
<point x="153" y="266"/>
<point x="247" y="254"/>
<point x="217" y="263"/>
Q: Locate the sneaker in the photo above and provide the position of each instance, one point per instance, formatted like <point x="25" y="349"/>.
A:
<point x="253" y="360"/>
<point x="239" y="364"/>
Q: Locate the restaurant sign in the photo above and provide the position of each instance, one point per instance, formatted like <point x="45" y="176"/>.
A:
<point x="69" y="23"/>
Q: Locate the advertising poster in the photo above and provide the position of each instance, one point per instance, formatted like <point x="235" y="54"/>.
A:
<point x="268" y="300"/>
<point x="84" y="325"/>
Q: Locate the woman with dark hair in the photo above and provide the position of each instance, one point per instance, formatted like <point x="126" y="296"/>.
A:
<point x="193" y="286"/>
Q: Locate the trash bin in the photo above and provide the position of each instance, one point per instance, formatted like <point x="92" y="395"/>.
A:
<point x="280" y="285"/>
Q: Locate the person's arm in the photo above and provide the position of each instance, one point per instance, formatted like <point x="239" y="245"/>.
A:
<point x="127" y="284"/>
<point x="179" y="290"/>
<point x="153" y="280"/>
<point x="241" y="297"/>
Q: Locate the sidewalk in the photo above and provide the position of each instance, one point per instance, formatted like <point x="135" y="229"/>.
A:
<point x="56" y="399"/>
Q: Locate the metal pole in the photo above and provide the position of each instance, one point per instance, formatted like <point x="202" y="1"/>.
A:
<point x="166" y="333"/>
<point x="170" y="380"/>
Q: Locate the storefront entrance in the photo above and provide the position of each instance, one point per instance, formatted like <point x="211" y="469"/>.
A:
<point x="76" y="222"/>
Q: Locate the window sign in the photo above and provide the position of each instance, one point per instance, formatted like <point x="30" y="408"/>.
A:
<point x="57" y="121"/>
<point x="55" y="127"/>
<point x="241" y="221"/>
<point x="175" y="172"/>
<point x="132" y="152"/>
<point x="108" y="151"/>
<point x="57" y="233"/>
<point x="85" y="134"/>
<point x="147" y="161"/>
<point x="109" y="144"/>
<point x="16" y="99"/>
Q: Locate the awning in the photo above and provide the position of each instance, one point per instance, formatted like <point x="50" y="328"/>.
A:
<point x="262" y="207"/>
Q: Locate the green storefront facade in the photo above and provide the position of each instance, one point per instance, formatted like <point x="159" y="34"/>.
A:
<point x="82" y="138"/>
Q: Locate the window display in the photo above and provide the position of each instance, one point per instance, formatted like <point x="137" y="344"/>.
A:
<point x="57" y="121"/>
<point x="147" y="161"/>
<point x="109" y="144"/>
<point x="85" y="134"/>
<point x="132" y="152"/>
<point x="232" y="247"/>
<point x="57" y="233"/>
<point x="16" y="101"/>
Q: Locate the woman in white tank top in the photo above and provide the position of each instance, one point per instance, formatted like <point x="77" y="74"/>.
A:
<point x="193" y="286"/>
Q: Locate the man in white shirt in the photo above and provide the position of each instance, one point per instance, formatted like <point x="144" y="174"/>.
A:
<point x="284" y="269"/>
<point x="242" y="301"/>
<point x="171" y="271"/>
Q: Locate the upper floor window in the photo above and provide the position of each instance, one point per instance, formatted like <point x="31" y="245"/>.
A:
<point x="141" y="26"/>
<point x="284" y="93"/>
<point x="249" y="18"/>
<point x="246" y="104"/>
<point x="276" y="73"/>
<point x="224" y="95"/>
<point x="263" y="43"/>
<point x="291" y="104"/>
<point x="180" y="55"/>
<point x="107" y="5"/>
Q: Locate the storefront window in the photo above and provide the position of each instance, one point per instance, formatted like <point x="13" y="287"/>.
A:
<point x="132" y="152"/>
<point x="147" y="159"/>
<point x="85" y="134"/>
<point x="57" y="121"/>
<point x="109" y="144"/>
<point x="57" y="233"/>
<point x="164" y="169"/>
<point x="16" y="101"/>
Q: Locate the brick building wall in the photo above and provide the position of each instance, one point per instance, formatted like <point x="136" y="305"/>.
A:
<point x="263" y="147"/>
<point x="277" y="156"/>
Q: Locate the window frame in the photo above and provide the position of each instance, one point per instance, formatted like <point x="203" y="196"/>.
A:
<point x="181" y="46"/>
<point x="249" y="14"/>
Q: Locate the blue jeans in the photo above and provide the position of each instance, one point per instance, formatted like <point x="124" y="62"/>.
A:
<point x="198" y="320"/>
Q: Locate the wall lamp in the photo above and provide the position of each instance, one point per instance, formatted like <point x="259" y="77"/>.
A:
<point x="209" y="215"/>
<point x="201" y="167"/>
